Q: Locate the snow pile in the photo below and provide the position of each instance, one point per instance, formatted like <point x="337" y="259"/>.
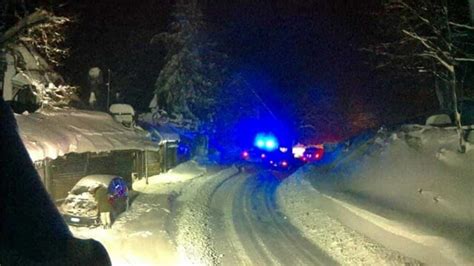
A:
<point x="306" y="210"/>
<point x="181" y="173"/>
<point x="418" y="170"/>
<point x="145" y="234"/>
<point x="51" y="134"/>
<point x="418" y="188"/>
<point x="137" y="237"/>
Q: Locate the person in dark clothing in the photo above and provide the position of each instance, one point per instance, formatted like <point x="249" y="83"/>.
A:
<point x="104" y="206"/>
<point x="32" y="231"/>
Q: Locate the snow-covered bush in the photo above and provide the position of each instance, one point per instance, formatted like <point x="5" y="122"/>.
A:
<point x="53" y="96"/>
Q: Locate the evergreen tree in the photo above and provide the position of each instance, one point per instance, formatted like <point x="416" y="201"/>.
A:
<point x="194" y="71"/>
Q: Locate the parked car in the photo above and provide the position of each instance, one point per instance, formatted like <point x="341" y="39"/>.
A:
<point x="313" y="154"/>
<point x="281" y="161"/>
<point x="253" y="155"/>
<point x="80" y="206"/>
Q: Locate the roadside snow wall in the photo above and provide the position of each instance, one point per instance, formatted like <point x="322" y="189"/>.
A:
<point x="416" y="169"/>
<point x="413" y="177"/>
<point x="408" y="189"/>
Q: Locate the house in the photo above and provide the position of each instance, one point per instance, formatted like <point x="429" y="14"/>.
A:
<point x="168" y="140"/>
<point x="66" y="145"/>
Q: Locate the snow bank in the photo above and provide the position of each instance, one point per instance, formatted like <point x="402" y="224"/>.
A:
<point x="138" y="236"/>
<point x="141" y="235"/>
<point x="416" y="169"/>
<point x="415" y="185"/>
<point x="306" y="209"/>
<point x="51" y="134"/>
<point x="181" y="173"/>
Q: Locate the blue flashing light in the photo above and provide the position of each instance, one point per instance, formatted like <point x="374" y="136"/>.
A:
<point x="260" y="143"/>
<point x="270" y="144"/>
<point x="267" y="142"/>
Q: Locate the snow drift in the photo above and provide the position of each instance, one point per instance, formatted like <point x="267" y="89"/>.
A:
<point x="416" y="169"/>
<point x="411" y="183"/>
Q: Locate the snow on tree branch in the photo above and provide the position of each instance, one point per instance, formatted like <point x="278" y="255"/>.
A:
<point x="39" y="37"/>
<point x="433" y="50"/>
<point x="42" y="30"/>
<point x="463" y="26"/>
<point x="194" y="72"/>
<point x="430" y="36"/>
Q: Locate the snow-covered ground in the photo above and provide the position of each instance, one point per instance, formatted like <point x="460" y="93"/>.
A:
<point x="193" y="231"/>
<point x="139" y="236"/>
<point x="181" y="173"/>
<point x="407" y="190"/>
<point x="397" y="198"/>
<point x="165" y="222"/>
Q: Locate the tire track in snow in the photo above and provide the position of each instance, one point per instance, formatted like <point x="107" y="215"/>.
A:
<point x="284" y="241"/>
<point x="192" y="219"/>
<point x="307" y="249"/>
<point x="251" y="230"/>
<point x="227" y="240"/>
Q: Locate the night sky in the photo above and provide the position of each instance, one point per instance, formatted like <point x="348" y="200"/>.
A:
<point x="293" y="44"/>
<point x="294" y="52"/>
<point x="295" y="49"/>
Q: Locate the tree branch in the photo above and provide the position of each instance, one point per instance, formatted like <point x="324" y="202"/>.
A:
<point x="464" y="26"/>
<point x="434" y="50"/>
<point x="37" y="17"/>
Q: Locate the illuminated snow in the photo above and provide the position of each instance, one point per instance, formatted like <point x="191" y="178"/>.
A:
<point x="51" y="134"/>
<point x="415" y="186"/>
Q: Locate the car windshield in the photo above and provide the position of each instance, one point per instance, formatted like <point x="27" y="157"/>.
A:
<point x="249" y="132"/>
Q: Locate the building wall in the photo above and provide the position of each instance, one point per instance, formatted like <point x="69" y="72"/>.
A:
<point x="66" y="171"/>
<point x="60" y="175"/>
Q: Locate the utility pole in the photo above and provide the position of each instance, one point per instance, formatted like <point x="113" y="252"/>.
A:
<point x="108" y="89"/>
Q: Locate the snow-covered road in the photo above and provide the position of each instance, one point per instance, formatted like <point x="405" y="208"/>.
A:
<point x="229" y="216"/>
<point x="249" y="228"/>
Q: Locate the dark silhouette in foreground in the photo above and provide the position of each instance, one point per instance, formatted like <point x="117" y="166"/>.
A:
<point x="31" y="228"/>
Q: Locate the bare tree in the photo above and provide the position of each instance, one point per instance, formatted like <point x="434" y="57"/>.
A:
<point x="431" y="37"/>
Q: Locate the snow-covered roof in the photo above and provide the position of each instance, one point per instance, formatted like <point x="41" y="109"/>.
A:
<point x="93" y="180"/>
<point x="51" y="134"/>
<point x="162" y="133"/>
